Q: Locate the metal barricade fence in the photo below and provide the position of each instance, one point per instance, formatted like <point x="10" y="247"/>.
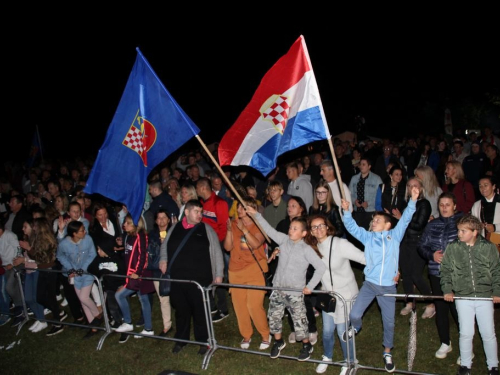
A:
<point x="212" y="344"/>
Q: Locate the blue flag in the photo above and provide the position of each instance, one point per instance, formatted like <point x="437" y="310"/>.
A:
<point x="35" y="149"/>
<point x="147" y="127"/>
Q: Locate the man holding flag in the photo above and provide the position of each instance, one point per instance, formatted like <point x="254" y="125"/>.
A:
<point x="147" y="127"/>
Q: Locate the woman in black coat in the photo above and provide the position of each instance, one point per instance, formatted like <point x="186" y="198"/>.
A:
<point x="411" y="263"/>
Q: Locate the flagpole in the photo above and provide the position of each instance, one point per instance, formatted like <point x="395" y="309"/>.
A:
<point x="39" y="142"/>
<point x="337" y="172"/>
<point x="229" y="184"/>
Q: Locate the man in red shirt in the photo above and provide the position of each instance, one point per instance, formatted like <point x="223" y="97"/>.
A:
<point x="215" y="214"/>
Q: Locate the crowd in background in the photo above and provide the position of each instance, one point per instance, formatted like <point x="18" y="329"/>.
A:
<point x="48" y="221"/>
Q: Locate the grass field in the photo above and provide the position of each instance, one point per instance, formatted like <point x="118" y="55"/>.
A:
<point x="67" y="353"/>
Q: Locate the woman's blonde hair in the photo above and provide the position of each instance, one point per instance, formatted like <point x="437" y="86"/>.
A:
<point x="429" y="180"/>
<point x="459" y="171"/>
<point x="139" y="228"/>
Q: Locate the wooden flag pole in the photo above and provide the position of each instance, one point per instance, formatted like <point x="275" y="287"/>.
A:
<point x="230" y="185"/>
<point x="337" y="171"/>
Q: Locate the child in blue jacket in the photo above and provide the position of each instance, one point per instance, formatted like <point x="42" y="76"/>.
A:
<point x="381" y="270"/>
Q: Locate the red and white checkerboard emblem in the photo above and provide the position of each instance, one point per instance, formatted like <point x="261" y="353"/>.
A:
<point x="141" y="139"/>
<point x="276" y="110"/>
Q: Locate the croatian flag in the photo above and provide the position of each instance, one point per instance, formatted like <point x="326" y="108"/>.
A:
<point x="284" y="114"/>
<point x="147" y="127"/>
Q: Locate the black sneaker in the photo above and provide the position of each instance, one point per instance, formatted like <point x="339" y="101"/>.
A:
<point x="219" y="315"/>
<point x="203" y="350"/>
<point x="389" y="365"/>
<point x="277" y="348"/>
<point x="55" y="330"/>
<point x="18" y="320"/>
<point x="177" y="348"/>
<point x="349" y="333"/>
<point x="140" y="322"/>
<point x="165" y="334"/>
<point x="464" y="370"/>
<point x="123" y="338"/>
<point x="493" y="371"/>
<point x="305" y="352"/>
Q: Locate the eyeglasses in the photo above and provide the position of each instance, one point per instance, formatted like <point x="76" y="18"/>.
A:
<point x="319" y="226"/>
<point x="321" y="192"/>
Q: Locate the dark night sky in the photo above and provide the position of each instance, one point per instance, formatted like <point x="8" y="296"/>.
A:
<point x="68" y="76"/>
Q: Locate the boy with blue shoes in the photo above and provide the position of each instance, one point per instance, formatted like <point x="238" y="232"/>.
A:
<point x="381" y="271"/>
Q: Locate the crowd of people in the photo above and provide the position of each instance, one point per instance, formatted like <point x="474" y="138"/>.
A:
<point x="396" y="208"/>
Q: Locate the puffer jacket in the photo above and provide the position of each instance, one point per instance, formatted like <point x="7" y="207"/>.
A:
<point x="471" y="271"/>
<point x="437" y="235"/>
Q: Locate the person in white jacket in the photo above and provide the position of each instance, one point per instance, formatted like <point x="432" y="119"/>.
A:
<point x="339" y="277"/>
<point x="487" y="209"/>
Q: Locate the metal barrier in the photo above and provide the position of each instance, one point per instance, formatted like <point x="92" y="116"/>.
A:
<point x="212" y="344"/>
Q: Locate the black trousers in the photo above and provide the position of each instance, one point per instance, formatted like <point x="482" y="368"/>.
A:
<point x="443" y="311"/>
<point x="412" y="267"/>
<point x="187" y="300"/>
<point x="46" y="292"/>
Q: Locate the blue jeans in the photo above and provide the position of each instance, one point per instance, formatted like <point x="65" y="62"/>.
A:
<point x="329" y="327"/>
<point x="4" y="297"/>
<point x="30" y="293"/>
<point x="121" y="299"/>
<point x="387" y="305"/>
<point x="470" y="311"/>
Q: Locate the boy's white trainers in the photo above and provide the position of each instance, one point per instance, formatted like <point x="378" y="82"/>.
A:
<point x="322" y="367"/>
<point x="34" y="325"/>
<point x="344" y="370"/>
<point x="443" y="351"/>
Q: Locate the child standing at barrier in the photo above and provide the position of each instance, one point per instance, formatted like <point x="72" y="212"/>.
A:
<point x="471" y="268"/>
<point x="382" y="259"/>
<point x="295" y="257"/>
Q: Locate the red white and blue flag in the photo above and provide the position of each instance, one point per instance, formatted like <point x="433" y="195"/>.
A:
<point x="285" y="113"/>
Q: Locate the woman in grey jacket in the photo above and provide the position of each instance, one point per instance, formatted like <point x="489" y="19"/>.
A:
<point x="295" y="257"/>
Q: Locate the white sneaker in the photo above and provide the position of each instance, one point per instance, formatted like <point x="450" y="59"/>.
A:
<point x="144" y="332"/>
<point x="313" y="337"/>
<point x="443" y="351"/>
<point x="459" y="362"/>
<point x="125" y="327"/>
<point x="407" y="309"/>
<point x="34" y="325"/>
<point x="344" y="370"/>
<point x="265" y="344"/>
<point x="40" y="327"/>
<point x="291" y="338"/>
<point x="429" y="312"/>
<point x="322" y="367"/>
<point x="46" y="312"/>
<point x="245" y="344"/>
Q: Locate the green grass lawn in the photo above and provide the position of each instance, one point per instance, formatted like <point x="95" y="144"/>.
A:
<point x="67" y="353"/>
